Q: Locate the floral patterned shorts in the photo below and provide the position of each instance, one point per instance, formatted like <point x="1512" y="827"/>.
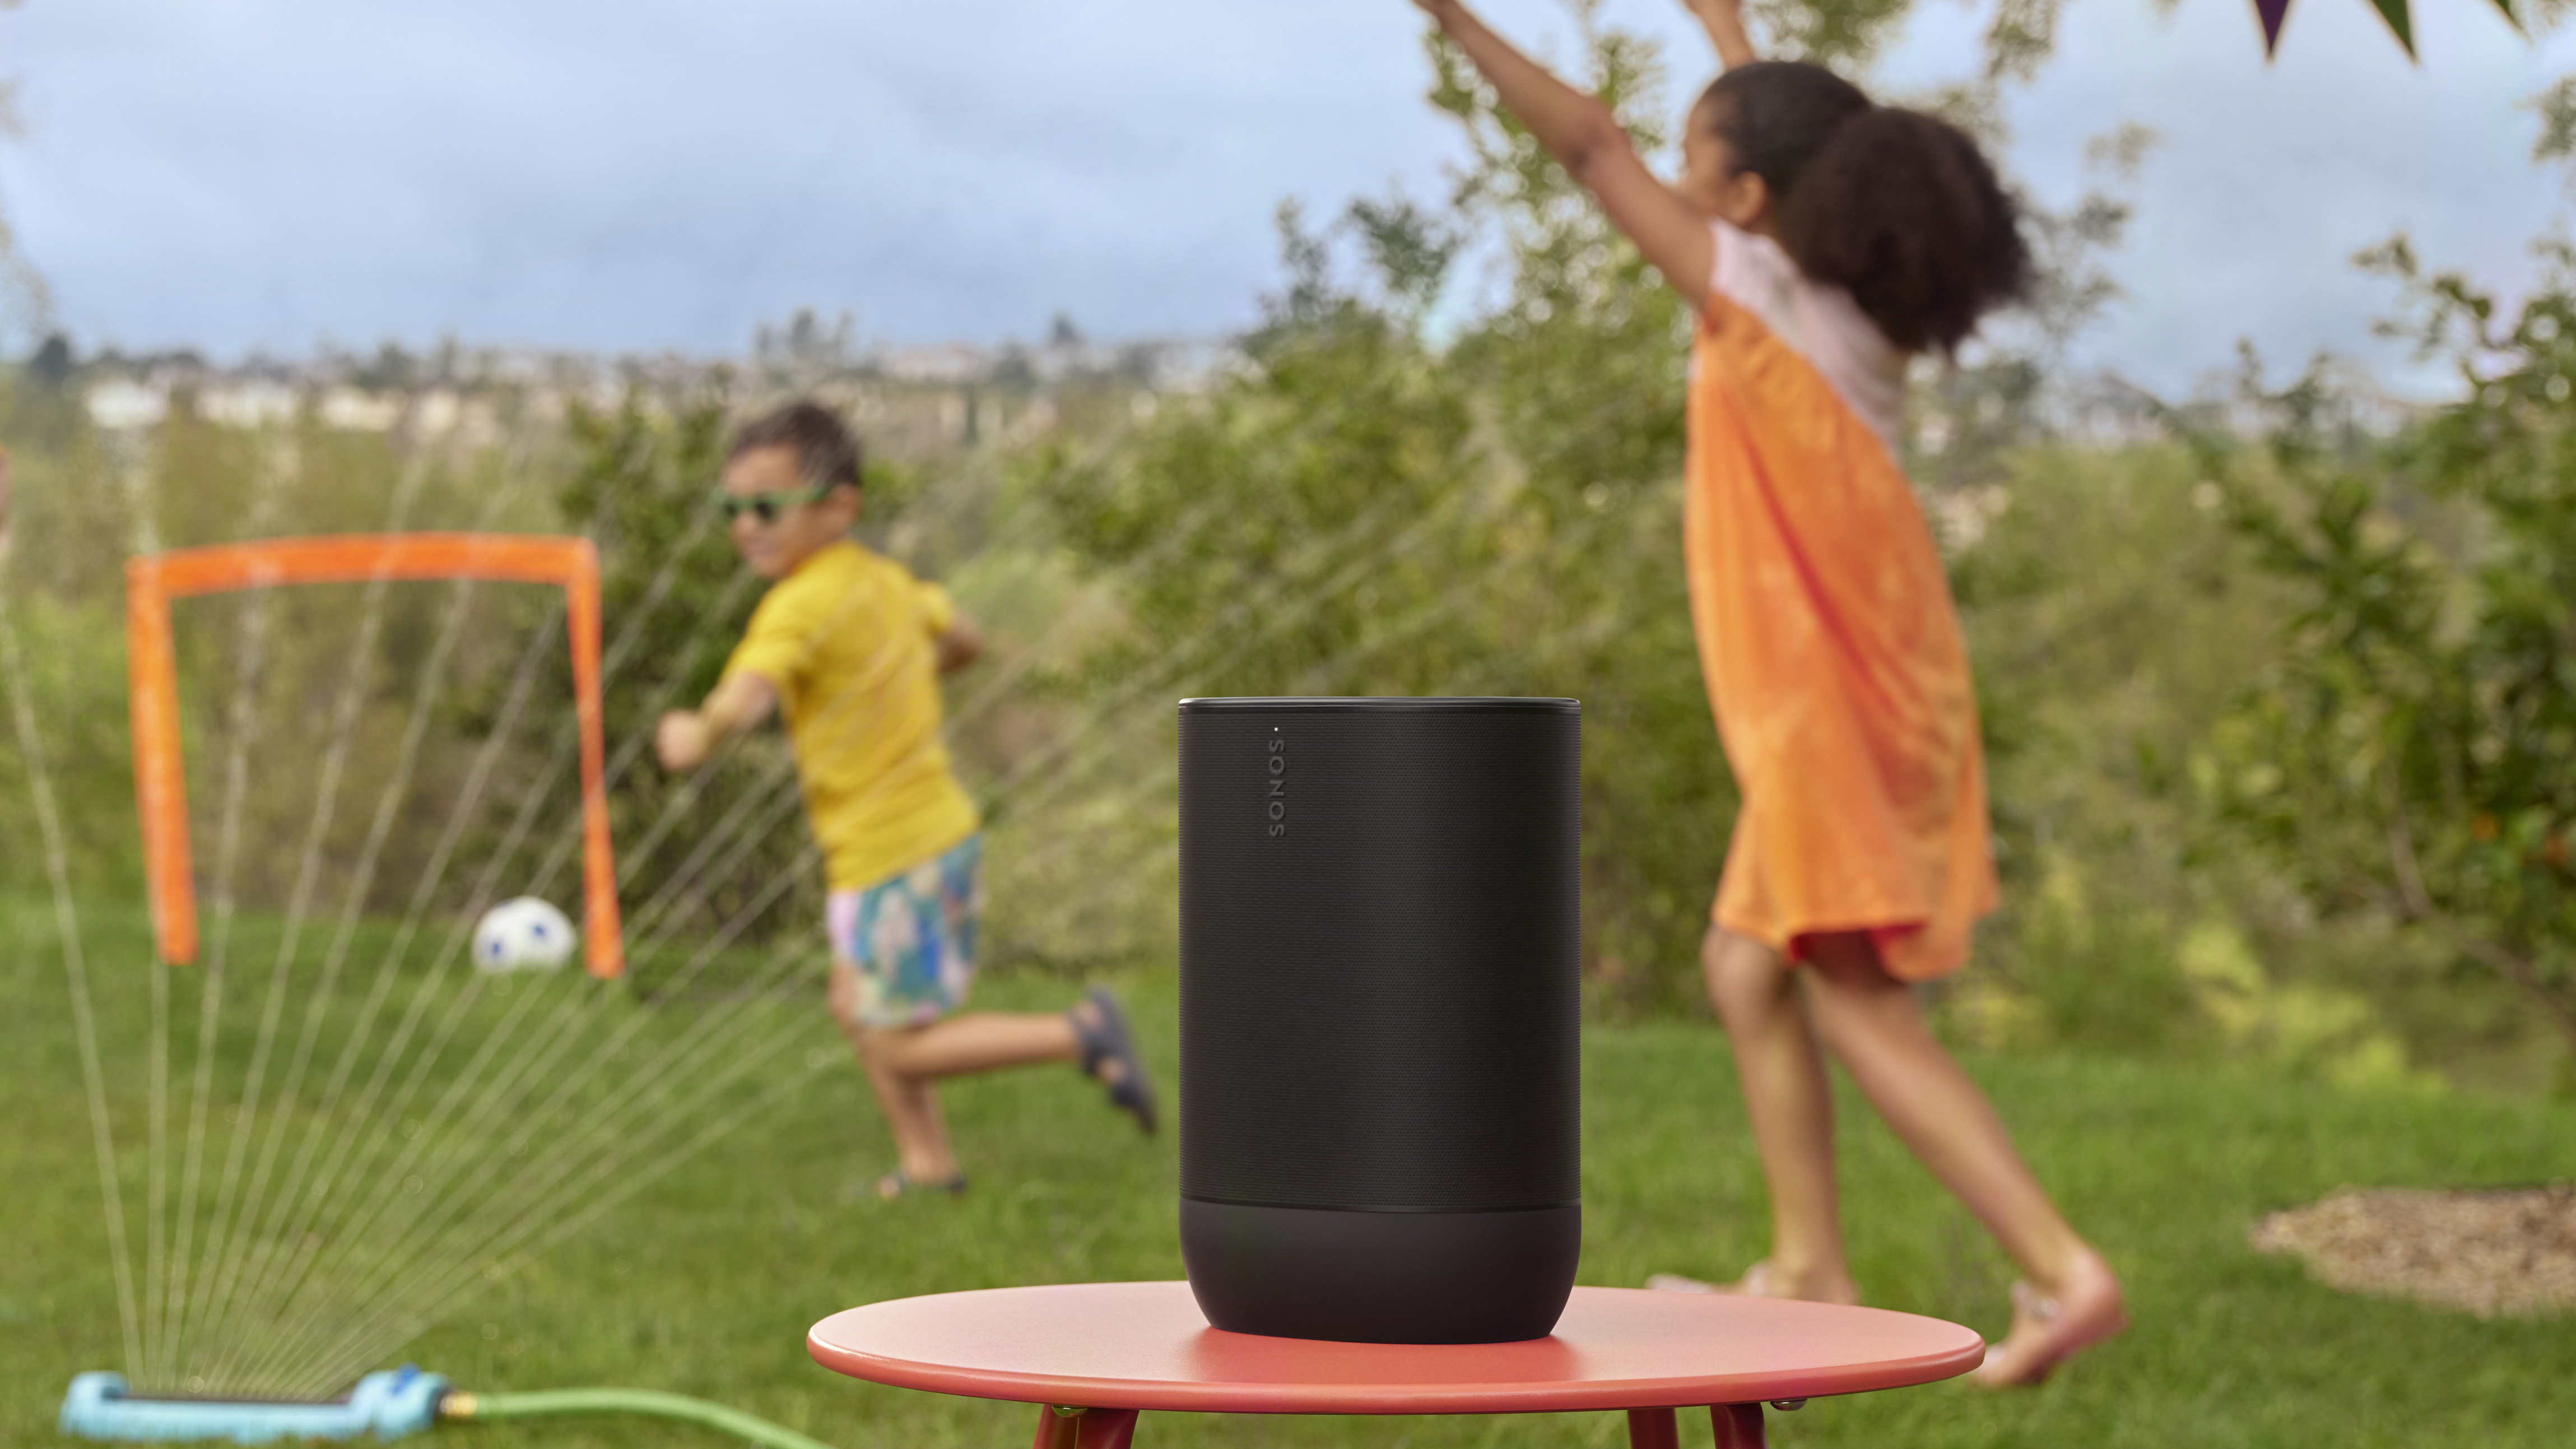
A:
<point x="910" y="940"/>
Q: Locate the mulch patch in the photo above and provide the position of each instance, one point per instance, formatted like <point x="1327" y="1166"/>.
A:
<point x="2497" y="1253"/>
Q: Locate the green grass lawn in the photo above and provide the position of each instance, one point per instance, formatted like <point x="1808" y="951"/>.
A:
<point x="705" y="1282"/>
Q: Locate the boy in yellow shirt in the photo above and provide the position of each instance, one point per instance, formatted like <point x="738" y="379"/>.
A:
<point x="850" y="646"/>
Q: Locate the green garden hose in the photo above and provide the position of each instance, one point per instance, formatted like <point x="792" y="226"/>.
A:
<point x="625" y="1401"/>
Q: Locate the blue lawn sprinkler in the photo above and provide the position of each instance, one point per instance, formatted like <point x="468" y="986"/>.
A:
<point x="388" y="1405"/>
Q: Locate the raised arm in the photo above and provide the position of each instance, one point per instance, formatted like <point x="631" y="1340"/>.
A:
<point x="1584" y="136"/>
<point x="1724" y="22"/>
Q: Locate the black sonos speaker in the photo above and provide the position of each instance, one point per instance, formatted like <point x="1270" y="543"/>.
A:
<point x="1380" y="1061"/>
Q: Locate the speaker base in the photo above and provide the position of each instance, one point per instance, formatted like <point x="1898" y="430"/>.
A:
<point x="1381" y="1277"/>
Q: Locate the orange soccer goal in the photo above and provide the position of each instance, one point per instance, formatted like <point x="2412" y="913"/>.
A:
<point x="160" y="784"/>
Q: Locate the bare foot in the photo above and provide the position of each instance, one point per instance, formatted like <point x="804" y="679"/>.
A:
<point x="2050" y="1328"/>
<point x="1764" y="1281"/>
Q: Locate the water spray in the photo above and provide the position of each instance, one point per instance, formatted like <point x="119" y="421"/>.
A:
<point x="387" y="1405"/>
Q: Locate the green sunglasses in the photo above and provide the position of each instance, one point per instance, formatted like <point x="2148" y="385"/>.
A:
<point x="766" y="507"/>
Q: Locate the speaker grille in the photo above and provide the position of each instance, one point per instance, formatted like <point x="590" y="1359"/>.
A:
<point x="1380" y="925"/>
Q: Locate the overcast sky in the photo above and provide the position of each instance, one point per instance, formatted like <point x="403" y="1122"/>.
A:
<point x="238" y="174"/>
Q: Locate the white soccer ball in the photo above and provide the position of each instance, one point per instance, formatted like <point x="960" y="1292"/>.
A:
<point x="526" y="934"/>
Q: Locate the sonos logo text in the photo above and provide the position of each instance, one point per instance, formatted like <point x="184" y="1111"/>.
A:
<point x="1278" y="787"/>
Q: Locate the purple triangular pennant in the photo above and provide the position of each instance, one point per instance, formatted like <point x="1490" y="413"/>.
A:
<point x="2272" y="13"/>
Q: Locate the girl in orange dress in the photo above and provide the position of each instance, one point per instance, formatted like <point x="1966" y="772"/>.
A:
<point x="1825" y="240"/>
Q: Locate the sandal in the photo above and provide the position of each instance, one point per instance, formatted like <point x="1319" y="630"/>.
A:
<point x="1105" y="1041"/>
<point x="899" y="1183"/>
<point x="1756" y="1283"/>
<point x="2047" y="1332"/>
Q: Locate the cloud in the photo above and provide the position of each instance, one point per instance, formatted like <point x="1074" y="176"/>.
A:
<point x="233" y="174"/>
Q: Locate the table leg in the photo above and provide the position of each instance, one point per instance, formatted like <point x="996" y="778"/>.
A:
<point x="1738" y="1426"/>
<point x="1085" y="1428"/>
<point x="1653" y="1429"/>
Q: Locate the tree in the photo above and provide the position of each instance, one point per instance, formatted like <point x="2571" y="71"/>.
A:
<point x="2409" y="756"/>
<point x="703" y="852"/>
<point x="54" y="361"/>
<point x="1359" y="510"/>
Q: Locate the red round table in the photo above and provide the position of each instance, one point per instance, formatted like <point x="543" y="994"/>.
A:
<point x="1094" y="1354"/>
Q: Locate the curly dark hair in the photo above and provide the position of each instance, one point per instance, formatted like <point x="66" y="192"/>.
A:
<point x="827" y="452"/>
<point x="1897" y="207"/>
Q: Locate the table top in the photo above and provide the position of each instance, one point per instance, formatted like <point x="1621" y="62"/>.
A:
<point x="1147" y="1346"/>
